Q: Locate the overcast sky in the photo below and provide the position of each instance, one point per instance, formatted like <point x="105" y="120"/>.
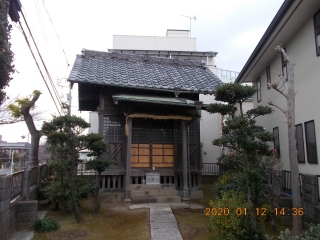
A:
<point x="230" y="27"/>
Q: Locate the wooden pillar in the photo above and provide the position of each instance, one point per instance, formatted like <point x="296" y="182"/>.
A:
<point x="114" y="181"/>
<point x="103" y="182"/>
<point x="184" y="160"/>
<point x="128" y="163"/>
<point x="119" y="182"/>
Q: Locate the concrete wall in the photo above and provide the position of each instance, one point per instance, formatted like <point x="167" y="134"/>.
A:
<point x="307" y="71"/>
<point x="94" y="121"/>
<point x="154" y="43"/>
<point x="210" y="129"/>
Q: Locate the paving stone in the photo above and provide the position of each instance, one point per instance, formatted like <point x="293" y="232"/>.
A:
<point x="160" y="225"/>
<point x="163" y="224"/>
<point x="165" y="234"/>
<point x="23" y="235"/>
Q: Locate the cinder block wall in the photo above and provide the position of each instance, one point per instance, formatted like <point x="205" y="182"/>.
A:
<point x="310" y="200"/>
<point x="20" y="214"/>
<point x="5" y="197"/>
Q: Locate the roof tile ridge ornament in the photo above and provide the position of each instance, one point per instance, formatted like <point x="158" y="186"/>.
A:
<point x="114" y="55"/>
<point x="203" y="65"/>
<point x="83" y="52"/>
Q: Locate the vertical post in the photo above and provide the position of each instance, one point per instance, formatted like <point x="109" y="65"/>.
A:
<point x="26" y="184"/>
<point x="128" y="164"/>
<point x="184" y="160"/>
<point x="103" y="182"/>
<point x="69" y="108"/>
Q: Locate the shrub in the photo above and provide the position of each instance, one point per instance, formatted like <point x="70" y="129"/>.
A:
<point x="312" y="233"/>
<point x="45" y="225"/>
<point x="235" y="220"/>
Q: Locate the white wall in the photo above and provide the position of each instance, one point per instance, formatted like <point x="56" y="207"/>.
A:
<point x="94" y="121"/>
<point x="307" y="84"/>
<point x="210" y="129"/>
<point x="154" y="43"/>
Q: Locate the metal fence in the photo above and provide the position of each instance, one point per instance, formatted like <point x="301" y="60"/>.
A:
<point x="16" y="186"/>
<point x="210" y="169"/>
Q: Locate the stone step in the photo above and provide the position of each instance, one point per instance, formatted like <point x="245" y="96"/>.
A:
<point x="161" y="199"/>
<point x="153" y="193"/>
<point x="152" y="187"/>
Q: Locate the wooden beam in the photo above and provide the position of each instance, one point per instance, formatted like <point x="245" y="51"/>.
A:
<point x="128" y="162"/>
<point x="184" y="159"/>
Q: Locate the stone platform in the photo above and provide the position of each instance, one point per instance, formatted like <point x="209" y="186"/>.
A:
<point x="160" y="193"/>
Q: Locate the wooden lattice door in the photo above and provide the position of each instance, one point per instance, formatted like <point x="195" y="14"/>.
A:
<point x="152" y="143"/>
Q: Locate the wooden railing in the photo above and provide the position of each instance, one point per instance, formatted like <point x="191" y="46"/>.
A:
<point x="210" y="169"/>
<point x="16" y="187"/>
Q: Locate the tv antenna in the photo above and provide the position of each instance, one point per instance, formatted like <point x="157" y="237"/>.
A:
<point x="190" y="20"/>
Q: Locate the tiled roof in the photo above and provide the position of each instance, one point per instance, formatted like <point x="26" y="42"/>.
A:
<point x="138" y="71"/>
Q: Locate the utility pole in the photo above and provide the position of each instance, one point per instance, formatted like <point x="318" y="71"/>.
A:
<point x="190" y="20"/>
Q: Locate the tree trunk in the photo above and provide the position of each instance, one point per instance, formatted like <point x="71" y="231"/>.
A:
<point x="295" y="179"/>
<point x="253" y="212"/>
<point x="96" y="202"/>
<point x="35" y="134"/>
<point x="80" y="219"/>
<point x="63" y="203"/>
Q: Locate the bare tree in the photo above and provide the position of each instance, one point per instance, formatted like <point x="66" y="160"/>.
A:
<point x="23" y="110"/>
<point x="290" y="114"/>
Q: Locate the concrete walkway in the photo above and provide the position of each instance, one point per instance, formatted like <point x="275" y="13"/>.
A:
<point x="162" y="221"/>
<point x="27" y="234"/>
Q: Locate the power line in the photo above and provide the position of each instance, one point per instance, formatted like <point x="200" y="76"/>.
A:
<point x="44" y="65"/>
<point x="25" y="36"/>
<point x="56" y="34"/>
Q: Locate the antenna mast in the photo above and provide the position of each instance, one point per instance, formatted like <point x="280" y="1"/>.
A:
<point x="190" y="20"/>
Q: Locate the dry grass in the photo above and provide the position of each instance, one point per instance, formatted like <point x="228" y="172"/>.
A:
<point x="114" y="221"/>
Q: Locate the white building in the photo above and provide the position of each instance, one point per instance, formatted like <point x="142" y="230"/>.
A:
<point x="296" y="27"/>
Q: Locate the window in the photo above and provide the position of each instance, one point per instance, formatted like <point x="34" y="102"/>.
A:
<point x="113" y="128"/>
<point x="316" y="20"/>
<point x="268" y="77"/>
<point x="300" y="143"/>
<point x="311" y="142"/>
<point x="277" y="140"/>
<point x="284" y="66"/>
<point x="259" y="90"/>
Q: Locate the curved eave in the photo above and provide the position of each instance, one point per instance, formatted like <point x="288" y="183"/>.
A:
<point x="140" y="87"/>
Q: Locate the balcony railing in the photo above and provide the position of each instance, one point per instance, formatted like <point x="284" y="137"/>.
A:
<point x="210" y="169"/>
